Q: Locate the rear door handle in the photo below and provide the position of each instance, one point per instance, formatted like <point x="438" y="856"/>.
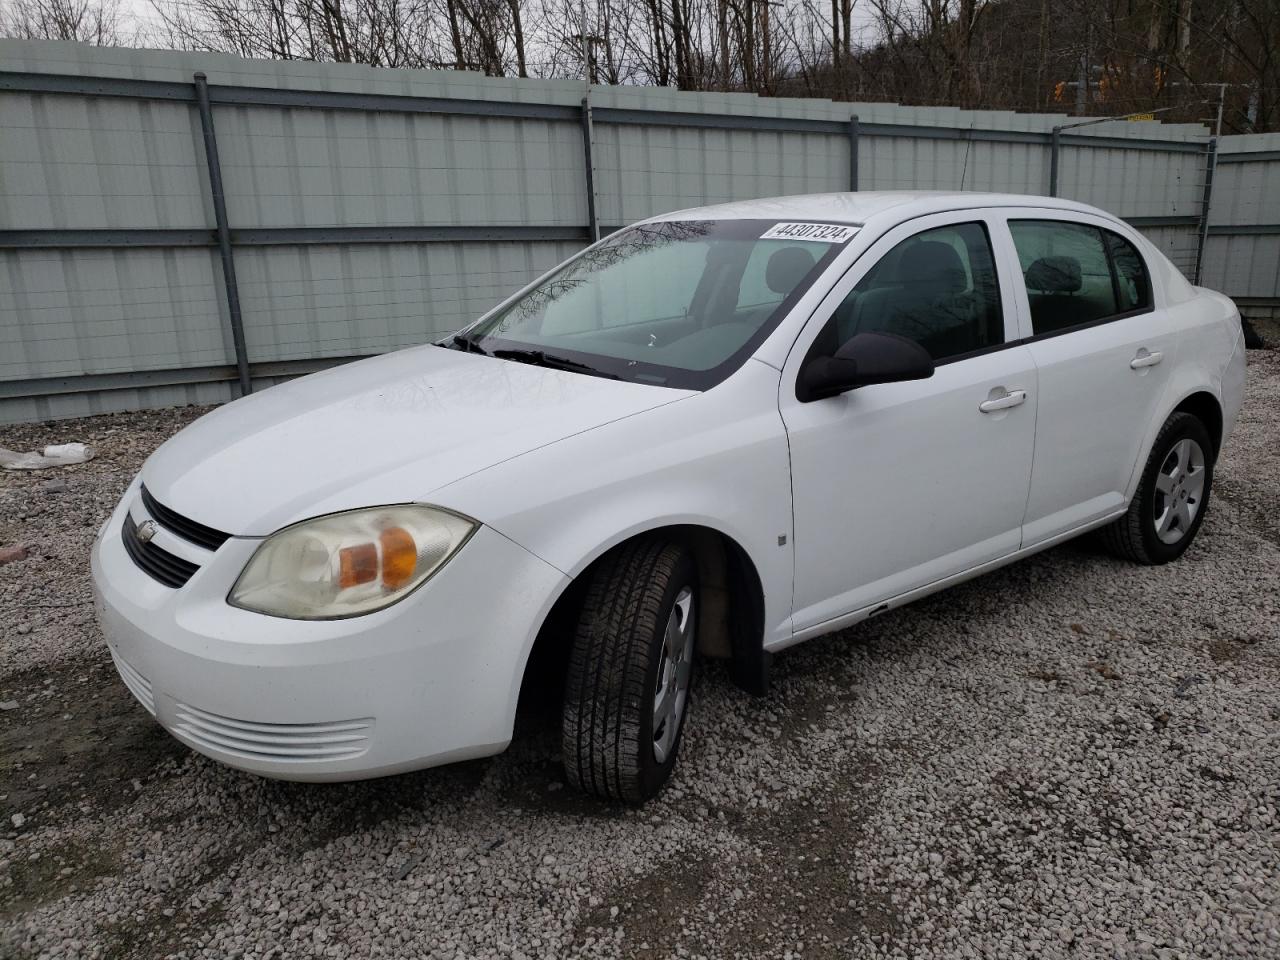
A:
<point x="1145" y="359"/>
<point x="1010" y="399"/>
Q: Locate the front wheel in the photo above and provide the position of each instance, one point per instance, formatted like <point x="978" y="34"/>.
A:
<point x="1172" y="497"/>
<point x="630" y="671"/>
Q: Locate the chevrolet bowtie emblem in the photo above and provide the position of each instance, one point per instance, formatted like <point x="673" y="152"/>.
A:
<point x="146" y="530"/>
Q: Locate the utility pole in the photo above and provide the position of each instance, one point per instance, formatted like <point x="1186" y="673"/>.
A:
<point x="766" y="86"/>
<point x="588" y="74"/>
<point x="722" y="14"/>
<point x="766" y="48"/>
<point x="1082" y="77"/>
<point x="678" y="44"/>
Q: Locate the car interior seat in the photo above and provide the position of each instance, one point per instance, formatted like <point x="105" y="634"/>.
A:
<point x="921" y="299"/>
<point x="787" y="266"/>
<point x="1052" y="285"/>
<point x="730" y="329"/>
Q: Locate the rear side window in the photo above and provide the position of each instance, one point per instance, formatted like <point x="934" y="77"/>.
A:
<point x="937" y="288"/>
<point x="1076" y="274"/>
<point x="1132" y="283"/>
<point x="1067" y="273"/>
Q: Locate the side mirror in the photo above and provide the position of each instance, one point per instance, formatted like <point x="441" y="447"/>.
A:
<point x="864" y="359"/>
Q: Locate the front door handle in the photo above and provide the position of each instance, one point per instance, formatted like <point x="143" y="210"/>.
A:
<point x="1010" y="399"/>
<point x="1145" y="359"/>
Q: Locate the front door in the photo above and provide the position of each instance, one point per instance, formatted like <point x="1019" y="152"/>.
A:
<point x="898" y="485"/>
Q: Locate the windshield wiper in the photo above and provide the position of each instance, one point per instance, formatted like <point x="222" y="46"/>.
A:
<point x="540" y="358"/>
<point x="467" y="345"/>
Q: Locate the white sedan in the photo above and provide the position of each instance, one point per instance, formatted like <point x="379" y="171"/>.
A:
<point x="715" y="433"/>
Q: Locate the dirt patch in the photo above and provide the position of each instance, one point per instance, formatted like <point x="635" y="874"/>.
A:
<point x="76" y="736"/>
<point x="159" y="935"/>
<point x="653" y="911"/>
<point x="1231" y="649"/>
<point x="810" y="882"/>
<point x="64" y="869"/>
<point x="1044" y="676"/>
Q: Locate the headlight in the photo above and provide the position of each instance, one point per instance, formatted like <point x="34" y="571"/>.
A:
<point x="349" y="563"/>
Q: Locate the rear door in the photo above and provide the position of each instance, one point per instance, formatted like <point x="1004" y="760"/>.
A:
<point x="1103" y="352"/>
<point x="898" y="485"/>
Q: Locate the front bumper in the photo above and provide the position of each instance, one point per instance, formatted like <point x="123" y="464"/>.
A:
<point x="429" y="680"/>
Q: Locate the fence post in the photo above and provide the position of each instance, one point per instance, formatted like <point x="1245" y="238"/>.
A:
<point x="224" y="233"/>
<point x="1210" y="166"/>
<point x="1055" y="144"/>
<point x="588" y="138"/>
<point x="853" y="152"/>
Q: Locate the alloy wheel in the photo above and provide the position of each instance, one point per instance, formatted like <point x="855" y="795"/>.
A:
<point x="1179" y="491"/>
<point x="672" y="690"/>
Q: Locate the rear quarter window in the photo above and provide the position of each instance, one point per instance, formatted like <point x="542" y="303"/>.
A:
<point x="1133" y="282"/>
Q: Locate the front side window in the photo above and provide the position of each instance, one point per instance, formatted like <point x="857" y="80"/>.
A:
<point x="937" y="288"/>
<point x="1067" y="268"/>
<point x="678" y="303"/>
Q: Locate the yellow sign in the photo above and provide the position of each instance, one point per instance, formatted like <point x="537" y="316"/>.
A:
<point x="1141" y="116"/>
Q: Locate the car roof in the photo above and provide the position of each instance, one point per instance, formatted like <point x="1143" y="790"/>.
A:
<point x="858" y="208"/>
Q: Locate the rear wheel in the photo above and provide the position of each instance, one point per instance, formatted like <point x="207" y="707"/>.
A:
<point x="630" y="671"/>
<point x="1172" y="496"/>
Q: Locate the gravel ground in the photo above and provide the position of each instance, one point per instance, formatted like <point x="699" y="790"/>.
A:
<point x="1072" y="757"/>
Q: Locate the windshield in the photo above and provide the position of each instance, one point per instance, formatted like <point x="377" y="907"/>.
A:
<point x="678" y="303"/>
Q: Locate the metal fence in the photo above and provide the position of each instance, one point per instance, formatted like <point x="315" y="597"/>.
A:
<point x="178" y="228"/>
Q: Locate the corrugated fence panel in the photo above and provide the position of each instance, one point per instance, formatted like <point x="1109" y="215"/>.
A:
<point x="642" y="170"/>
<point x="901" y="163"/>
<point x="69" y="312"/>
<point x="350" y="300"/>
<point x="1133" y="183"/>
<point x="1246" y="265"/>
<point x="324" y="167"/>
<point x="1246" y="194"/>
<point x="81" y="163"/>
<point x="905" y="163"/>
<point x="1004" y="167"/>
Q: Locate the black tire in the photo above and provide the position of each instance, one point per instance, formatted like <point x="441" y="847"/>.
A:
<point x="607" y="730"/>
<point x="1134" y="536"/>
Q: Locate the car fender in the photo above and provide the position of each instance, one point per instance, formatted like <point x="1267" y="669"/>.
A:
<point x="717" y="460"/>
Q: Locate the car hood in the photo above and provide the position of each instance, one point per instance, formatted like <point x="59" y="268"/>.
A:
<point x="390" y="429"/>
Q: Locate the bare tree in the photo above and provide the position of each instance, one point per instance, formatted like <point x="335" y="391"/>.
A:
<point x="90" y="21"/>
<point x="1092" y="56"/>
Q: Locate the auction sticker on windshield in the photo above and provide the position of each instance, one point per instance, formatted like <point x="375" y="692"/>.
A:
<point x="820" y="232"/>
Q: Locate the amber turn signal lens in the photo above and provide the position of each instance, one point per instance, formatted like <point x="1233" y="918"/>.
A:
<point x="399" y="557"/>
<point x="357" y="565"/>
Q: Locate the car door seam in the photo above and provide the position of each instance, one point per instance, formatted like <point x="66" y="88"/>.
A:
<point x="791" y="490"/>
<point x="1035" y="433"/>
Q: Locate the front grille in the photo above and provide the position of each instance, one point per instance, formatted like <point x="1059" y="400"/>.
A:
<point x="287" y="742"/>
<point x="160" y="564"/>
<point x="136" y="682"/>
<point x="197" y="533"/>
